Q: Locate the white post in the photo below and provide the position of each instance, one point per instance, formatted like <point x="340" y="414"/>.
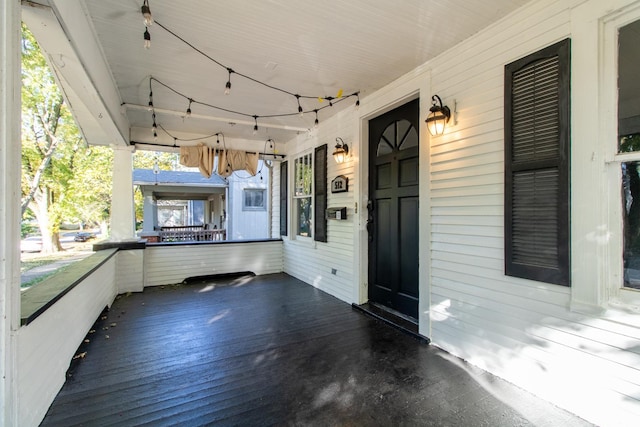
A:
<point x="150" y="212"/>
<point x="10" y="85"/>
<point x="122" y="207"/>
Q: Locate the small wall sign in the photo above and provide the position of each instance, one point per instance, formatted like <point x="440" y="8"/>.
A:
<point x="340" y="184"/>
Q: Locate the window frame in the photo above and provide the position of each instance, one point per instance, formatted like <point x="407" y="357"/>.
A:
<point x="295" y="197"/>
<point x="247" y="208"/>
<point x="613" y="267"/>
<point x="529" y="270"/>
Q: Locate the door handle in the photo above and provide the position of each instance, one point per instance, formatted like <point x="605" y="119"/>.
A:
<point x="370" y="229"/>
<point x="370" y="206"/>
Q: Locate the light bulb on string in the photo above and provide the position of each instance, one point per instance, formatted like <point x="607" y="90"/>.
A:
<point x="150" y="108"/>
<point x="300" y="110"/>
<point x="189" y="108"/>
<point x="154" y="127"/>
<point x="146" y="13"/>
<point x="147" y="38"/>
<point x="316" y="123"/>
<point x="227" y="87"/>
<point x="255" y="127"/>
<point x="357" y="101"/>
<point x="339" y="96"/>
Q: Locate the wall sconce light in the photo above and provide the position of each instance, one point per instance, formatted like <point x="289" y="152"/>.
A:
<point x="438" y="116"/>
<point x="341" y="152"/>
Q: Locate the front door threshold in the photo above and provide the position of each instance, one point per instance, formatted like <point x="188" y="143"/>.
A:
<point x="405" y="324"/>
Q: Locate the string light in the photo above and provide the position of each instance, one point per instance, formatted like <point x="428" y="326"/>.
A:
<point x="154" y="127"/>
<point x="254" y="116"/>
<point x="300" y="110"/>
<point x="275" y="88"/>
<point x="146" y="13"/>
<point x="189" y="108"/>
<point x="255" y="127"/>
<point x="227" y="88"/>
<point x="147" y="38"/>
<point x="357" y="101"/>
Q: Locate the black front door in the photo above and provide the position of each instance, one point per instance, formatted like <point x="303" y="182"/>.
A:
<point x="393" y="209"/>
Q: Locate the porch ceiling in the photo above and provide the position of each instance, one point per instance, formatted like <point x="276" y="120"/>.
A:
<point x="305" y="47"/>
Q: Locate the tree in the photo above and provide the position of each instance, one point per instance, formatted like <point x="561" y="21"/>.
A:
<point x="56" y="162"/>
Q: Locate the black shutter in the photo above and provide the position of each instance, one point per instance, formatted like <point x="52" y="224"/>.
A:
<point x="537" y="95"/>
<point x="283" y="198"/>
<point x="320" y="194"/>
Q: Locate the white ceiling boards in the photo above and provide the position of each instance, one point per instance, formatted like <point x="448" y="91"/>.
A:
<point x="304" y="47"/>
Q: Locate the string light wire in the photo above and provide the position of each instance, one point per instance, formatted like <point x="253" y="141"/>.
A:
<point x="300" y="111"/>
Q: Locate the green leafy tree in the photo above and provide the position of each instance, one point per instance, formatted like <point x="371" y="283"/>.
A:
<point x="58" y="169"/>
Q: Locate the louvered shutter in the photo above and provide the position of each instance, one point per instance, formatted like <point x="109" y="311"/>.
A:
<point x="283" y="197"/>
<point x="537" y="166"/>
<point x="320" y="194"/>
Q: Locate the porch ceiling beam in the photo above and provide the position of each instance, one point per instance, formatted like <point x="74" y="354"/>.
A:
<point x="69" y="44"/>
<point x="214" y="118"/>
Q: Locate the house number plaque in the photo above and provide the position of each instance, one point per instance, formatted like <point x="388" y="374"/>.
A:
<point x="340" y="184"/>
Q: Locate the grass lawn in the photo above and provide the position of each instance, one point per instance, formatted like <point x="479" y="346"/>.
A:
<point x="34" y="260"/>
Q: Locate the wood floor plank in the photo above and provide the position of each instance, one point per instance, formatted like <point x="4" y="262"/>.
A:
<point x="272" y="351"/>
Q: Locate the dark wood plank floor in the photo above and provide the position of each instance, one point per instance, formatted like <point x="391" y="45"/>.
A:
<point x="271" y="350"/>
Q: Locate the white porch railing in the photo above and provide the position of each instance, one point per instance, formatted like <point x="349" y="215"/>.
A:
<point x="187" y="235"/>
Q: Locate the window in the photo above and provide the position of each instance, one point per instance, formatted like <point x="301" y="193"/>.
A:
<point x="254" y="199"/>
<point x="302" y="196"/>
<point x="310" y="194"/>
<point x="537" y="166"/>
<point x="629" y="147"/>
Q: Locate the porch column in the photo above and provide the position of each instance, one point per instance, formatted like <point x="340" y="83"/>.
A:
<point x="10" y="84"/>
<point x="150" y="212"/>
<point x="122" y="207"/>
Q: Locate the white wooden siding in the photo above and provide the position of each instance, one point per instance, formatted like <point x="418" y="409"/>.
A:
<point x="172" y="264"/>
<point x="521" y="330"/>
<point x="313" y="262"/>
<point x="46" y="345"/>
<point x="130" y="270"/>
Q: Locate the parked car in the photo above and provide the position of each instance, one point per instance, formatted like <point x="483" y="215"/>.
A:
<point x="83" y="236"/>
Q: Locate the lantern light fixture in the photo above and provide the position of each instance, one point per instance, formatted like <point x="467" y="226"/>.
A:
<point x="341" y="152"/>
<point x="438" y="117"/>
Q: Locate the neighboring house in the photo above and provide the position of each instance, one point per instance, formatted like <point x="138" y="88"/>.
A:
<point x="238" y="204"/>
<point x="513" y="253"/>
<point x="174" y="198"/>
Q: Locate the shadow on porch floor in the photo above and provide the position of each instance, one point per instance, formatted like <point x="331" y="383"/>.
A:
<point x="271" y="350"/>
